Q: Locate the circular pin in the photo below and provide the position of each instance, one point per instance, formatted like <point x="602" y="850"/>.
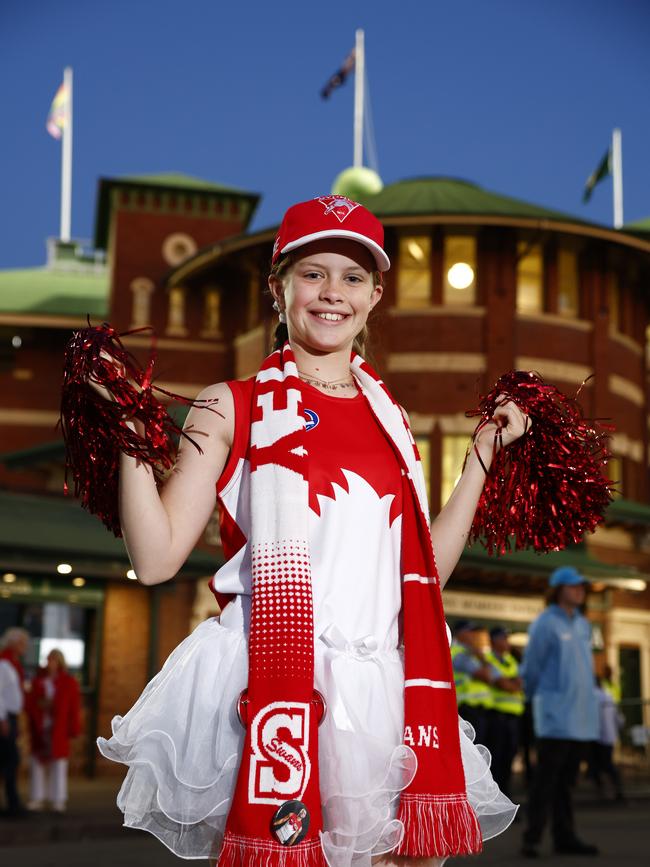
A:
<point x="242" y="707"/>
<point x="290" y="823"/>
<point x="318" y="703"/>
<point x="320" y="706"/>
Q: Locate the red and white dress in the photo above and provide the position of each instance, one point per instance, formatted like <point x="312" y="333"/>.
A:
<point x="182" y="738"/>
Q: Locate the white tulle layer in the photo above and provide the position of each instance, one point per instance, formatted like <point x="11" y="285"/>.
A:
<point x="181" y="742"/>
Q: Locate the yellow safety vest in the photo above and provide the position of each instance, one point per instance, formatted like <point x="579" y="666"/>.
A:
<point x="506" y="702"/>
<point x="468" y="690"/>
<point x="612" y="689"/>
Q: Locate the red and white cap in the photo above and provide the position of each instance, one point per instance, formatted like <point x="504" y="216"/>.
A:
<point x="331" y="217"/>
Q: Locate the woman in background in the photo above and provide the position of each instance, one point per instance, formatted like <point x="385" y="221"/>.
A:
<point x="53" y="708"/>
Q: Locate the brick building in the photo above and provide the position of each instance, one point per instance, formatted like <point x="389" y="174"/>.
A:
<point x="480" y="284"/>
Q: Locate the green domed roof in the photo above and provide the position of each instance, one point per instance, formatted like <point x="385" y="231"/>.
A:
<point x="439" y="195"/>
<point x="638" y="227"/>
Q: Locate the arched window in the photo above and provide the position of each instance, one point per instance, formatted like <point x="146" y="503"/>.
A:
<point x="530" y="277"/>
<point x="459" y="270"/>
<point x="414" y="272"/>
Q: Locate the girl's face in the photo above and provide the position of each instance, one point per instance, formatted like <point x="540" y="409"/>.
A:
<point x="327" y="294"/>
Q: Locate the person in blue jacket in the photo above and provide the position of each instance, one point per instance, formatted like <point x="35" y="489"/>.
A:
<point x="558" y="680"/>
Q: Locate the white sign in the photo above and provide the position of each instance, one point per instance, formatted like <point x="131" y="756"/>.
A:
<point x="501" y="608"/>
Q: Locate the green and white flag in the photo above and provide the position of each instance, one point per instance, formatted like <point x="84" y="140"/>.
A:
<point x="604" y="170"/>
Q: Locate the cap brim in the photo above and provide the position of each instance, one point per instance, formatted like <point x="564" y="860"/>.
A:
<point x="381" y="259"/>
<point x="583" y="582"/>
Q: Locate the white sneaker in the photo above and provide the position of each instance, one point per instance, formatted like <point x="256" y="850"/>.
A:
<point x="59" y="806"/>
<point x="35" y="806"/>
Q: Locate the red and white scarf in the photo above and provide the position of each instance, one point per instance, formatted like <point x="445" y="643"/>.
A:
<point x="280" y="754"/>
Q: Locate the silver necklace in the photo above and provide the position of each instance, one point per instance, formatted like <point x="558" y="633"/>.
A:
<point x="328" y="385"/>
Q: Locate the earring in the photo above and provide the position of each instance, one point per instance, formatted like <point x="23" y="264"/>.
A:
<point x="280" y="312"/>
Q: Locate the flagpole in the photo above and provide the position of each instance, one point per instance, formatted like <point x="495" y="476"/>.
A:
<point x="66" y="159"/>
<point x="617" y="177"/>
<point x="359" y="80"/>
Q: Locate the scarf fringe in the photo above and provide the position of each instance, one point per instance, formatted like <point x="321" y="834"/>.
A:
<point x="438" y="825"/>
<point x="239" y="851"/>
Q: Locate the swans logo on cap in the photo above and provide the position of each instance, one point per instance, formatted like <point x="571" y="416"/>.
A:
<point x="340" y="206"/>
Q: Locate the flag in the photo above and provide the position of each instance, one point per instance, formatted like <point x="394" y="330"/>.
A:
<point x="339" y="76"/>
<point x="57" y="118"/>
<point x="604" y="169"/>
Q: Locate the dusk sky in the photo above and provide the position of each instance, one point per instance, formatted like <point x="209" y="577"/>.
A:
<point x="515" y="95"/>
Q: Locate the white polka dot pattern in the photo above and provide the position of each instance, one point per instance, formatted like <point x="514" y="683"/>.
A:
<point x="282" y="625"/>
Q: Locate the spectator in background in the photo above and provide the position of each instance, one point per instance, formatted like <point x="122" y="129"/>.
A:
<point x="13" y="647"/>
<point x="559" y="680"/>
<point x="53" y="708"/>
<point x="611" y="685"/>
<point x="504" y="718"/>
<point x="611" y="722"/>
<point x="472" y="676"/>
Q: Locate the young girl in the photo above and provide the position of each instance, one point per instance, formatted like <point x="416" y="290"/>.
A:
<point x="324" y="689"/>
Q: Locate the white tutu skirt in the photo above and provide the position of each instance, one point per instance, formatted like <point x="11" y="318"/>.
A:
<point x="182" y="739"/>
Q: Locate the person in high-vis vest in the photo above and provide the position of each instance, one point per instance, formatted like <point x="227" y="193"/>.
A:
<point x="504" y="718"/>
<point x="611" y="686"/>
<point x="472" y="677"/>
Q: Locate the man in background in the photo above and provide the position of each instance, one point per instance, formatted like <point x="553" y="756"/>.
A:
<point x="504" y="718"/>
<point x="13" y="647"/>
<point x="472" y="676"/>
<point x="559" y="681"/>
<point x="475" y="678"/>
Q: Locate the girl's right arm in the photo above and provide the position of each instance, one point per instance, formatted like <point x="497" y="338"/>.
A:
<point x="161" y="528"/>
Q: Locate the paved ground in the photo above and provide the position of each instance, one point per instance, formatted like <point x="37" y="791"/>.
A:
<point x="91" y="833"/>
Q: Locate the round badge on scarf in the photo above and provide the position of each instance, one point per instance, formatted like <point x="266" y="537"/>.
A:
<point x="290" y="823"/>
<point x="311" y="419"/>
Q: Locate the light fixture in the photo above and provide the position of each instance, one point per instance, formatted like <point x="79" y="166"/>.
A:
<point x="64" y="568"/>
<point x="460" y="275"/>
<point x="79" y="581"/>
<point x="9" y="578"/>
<point x="415" y="250"/>
<point x="131" y="575"/>
<point x="636" y="585"/>
<point x="16" y="341"/>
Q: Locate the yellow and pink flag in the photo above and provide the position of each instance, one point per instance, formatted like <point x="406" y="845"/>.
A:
<point x="58" y="116"/>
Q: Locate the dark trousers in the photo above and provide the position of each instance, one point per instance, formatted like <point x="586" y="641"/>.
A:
<point x="502" y="742"/>
<point x="557" y="762"/>
<point x="604" y="765"/>
<point x="477" y="717"/>
<point x="9" y="761"/>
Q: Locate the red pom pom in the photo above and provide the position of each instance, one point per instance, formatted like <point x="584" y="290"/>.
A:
<point x="94" y="428"/>
<point x="548" y="488"/>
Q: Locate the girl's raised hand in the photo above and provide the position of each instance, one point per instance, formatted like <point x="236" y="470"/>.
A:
<point x="509" y="420"/>
<point x="101" y="389"/>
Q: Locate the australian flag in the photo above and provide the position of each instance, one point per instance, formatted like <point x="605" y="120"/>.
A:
<point x="339" y="76"/>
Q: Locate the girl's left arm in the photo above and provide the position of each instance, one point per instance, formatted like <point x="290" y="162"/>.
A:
<point x="450" y="529"/>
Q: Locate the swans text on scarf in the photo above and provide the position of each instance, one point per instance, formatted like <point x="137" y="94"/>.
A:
<point x="426" y="736"/>
<point x="280" y="767"/>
